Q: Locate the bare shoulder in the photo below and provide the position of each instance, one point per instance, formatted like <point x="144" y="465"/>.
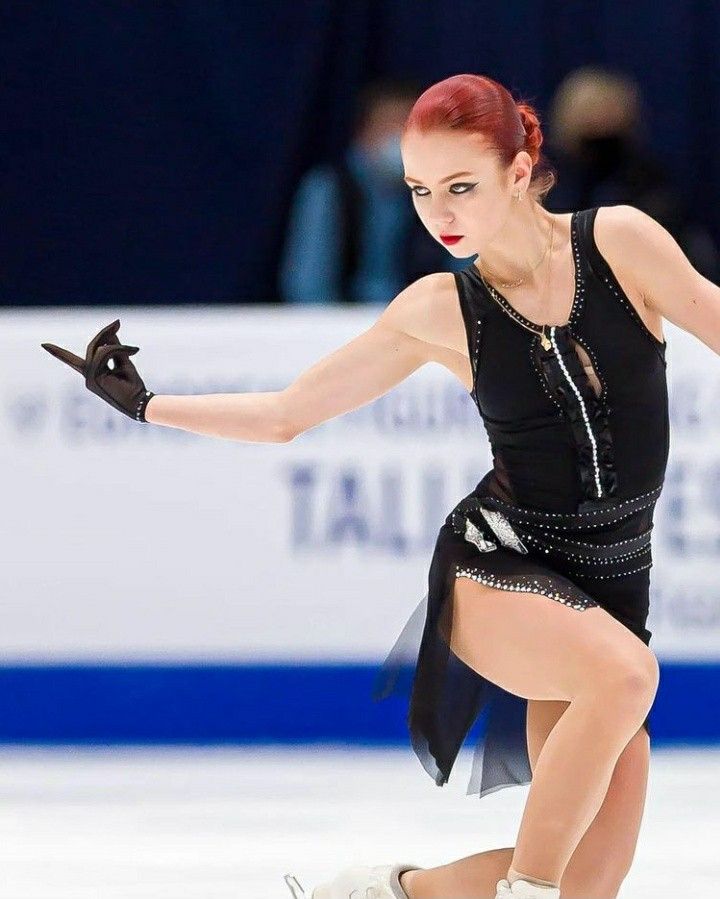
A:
<point x="627" y="237"/>
<point x="629" y="240"/>
<point x="614" y="224"/>
<point x="429" y="310"/>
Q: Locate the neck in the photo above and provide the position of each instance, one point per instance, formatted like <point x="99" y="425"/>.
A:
<point x="519" y="244"/>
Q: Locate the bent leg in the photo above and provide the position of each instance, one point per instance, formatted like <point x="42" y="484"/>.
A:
<point x="538" y="648"/>
<point x="603" y="855"/>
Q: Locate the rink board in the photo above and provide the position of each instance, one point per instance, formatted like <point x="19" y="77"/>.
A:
<point x="268" y="704"/>
<point x="139" y="561"/>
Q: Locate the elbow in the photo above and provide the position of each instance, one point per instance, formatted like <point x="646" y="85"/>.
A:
<point x="286" y="434"/>
<point x="286" y="429"/>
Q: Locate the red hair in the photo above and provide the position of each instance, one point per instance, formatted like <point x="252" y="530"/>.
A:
<point x="475" y="104"/>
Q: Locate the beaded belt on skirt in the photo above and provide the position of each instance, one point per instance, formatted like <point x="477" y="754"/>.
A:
<point x="524" y="529"/>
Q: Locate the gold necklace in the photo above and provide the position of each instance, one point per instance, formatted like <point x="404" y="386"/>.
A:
<point x="544" y="339"/>
<point x="510" y="284"/>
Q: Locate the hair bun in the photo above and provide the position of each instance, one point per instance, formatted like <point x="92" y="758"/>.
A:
<point x="533" y="134"/>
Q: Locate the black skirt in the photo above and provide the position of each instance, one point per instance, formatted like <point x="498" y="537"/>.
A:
<point x="598" y="556"/>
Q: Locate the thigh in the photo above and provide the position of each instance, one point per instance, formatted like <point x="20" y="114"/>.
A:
<point x="539" y="648"/>
<point x="603" y="856"/>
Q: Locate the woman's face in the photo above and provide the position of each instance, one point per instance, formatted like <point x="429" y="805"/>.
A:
<point x="476" y="201"/>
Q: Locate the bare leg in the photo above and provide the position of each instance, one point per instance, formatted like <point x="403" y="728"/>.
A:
<point x="475" y="875"/>
<point x="576" y="764"/>
<point x="573" y="775"/>
<point x="601" y="860"/>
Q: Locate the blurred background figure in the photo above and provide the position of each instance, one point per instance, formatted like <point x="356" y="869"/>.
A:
<point x="600" y="151"/>
<point x="353" y="235"/>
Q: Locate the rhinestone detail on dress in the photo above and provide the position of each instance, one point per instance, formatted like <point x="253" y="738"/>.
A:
<point x="604" y="577"/>
<point x="589" y="430"/>
<point x="610" y="560"/>
<point x="529" y="585"/>
<point x="609" y="515"/>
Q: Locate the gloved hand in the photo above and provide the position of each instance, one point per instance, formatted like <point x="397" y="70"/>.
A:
<point x="120" y="386"/>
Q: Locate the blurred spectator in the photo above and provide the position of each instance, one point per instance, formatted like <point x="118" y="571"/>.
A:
<point x="597" y="146"/>
<point x="353" y="233"/>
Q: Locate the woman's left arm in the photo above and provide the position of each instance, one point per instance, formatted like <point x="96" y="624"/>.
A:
<point x="663" y="275"/>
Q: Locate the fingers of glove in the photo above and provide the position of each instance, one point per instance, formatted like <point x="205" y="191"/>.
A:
<point x="123" y="366"/>
<point x="65" y="356"/>
<point x="118" y="353"/>
<point x="104" y="337"/>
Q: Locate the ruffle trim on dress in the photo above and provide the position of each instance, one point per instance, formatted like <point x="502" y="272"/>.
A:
<point x="446" y="700"/>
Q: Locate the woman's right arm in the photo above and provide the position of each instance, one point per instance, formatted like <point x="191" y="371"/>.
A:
<point x="398" y="343"/>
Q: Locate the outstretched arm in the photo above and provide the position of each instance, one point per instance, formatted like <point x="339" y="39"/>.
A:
<point x="352" y="376"/>
<point x="668" y="282"/>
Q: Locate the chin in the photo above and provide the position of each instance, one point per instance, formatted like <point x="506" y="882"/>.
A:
<point x="459" y="250"/>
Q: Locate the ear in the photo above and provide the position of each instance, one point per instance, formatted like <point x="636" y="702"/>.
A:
<point x="521" y="172"/>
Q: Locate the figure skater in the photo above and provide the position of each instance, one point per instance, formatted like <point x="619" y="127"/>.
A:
<point x="538" y="586"/>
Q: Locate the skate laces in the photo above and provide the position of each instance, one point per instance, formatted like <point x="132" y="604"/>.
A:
<point x="376" y="889"/>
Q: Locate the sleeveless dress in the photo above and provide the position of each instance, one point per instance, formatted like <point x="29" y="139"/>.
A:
<point x="566" y="510"/>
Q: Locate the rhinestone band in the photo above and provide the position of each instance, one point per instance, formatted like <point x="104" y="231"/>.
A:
<point x="582" y="409"/>
<point x="577" y="517"/>
<point x="604" y="577"/>
<point x="595" y="559"/>
<point x="505" y="583"/>
<point x="142" y="405"/>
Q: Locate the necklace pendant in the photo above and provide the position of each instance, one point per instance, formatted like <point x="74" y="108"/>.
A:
<point x="545" y="341"/>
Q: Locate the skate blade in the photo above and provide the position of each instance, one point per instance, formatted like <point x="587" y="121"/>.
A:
<point x="297" y="891"/>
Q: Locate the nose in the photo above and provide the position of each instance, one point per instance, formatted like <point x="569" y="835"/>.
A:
<point x="439" y="214"/>
<point x="442" y="221"/>
<point x="442" y="226"/>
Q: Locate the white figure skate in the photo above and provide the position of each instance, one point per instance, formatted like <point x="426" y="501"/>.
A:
<point x="521" y="889"/>
<point x="359" y="882"/>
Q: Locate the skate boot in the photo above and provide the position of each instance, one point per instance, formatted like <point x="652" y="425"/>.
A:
<point x="521" y="889"/>
<point x="358" y="882"/>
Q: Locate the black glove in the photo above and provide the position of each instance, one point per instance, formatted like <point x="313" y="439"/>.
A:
<point x="120" y="386"/>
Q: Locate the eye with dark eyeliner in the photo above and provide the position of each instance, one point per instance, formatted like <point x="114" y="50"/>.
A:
<point x="467" y="185"/>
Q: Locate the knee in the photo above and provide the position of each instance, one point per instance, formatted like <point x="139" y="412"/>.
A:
<point x="633" y="685"/>
<point x="623" y="684"/>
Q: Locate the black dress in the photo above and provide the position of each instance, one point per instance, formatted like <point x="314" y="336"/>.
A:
<point x="566" y="510"/>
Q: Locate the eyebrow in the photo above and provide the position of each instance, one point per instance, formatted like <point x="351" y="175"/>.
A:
<point x="442" y="180"/>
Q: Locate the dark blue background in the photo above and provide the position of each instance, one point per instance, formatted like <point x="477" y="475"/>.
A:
<point x="150" y="149"/>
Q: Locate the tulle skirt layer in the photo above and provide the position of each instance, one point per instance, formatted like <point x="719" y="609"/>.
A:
<point x="600" y="556"/>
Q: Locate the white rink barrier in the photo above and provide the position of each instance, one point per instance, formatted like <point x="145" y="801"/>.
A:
<point x="131" y="542"/>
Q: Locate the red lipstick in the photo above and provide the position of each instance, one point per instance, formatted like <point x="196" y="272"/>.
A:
<point x="450" y="238"/>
